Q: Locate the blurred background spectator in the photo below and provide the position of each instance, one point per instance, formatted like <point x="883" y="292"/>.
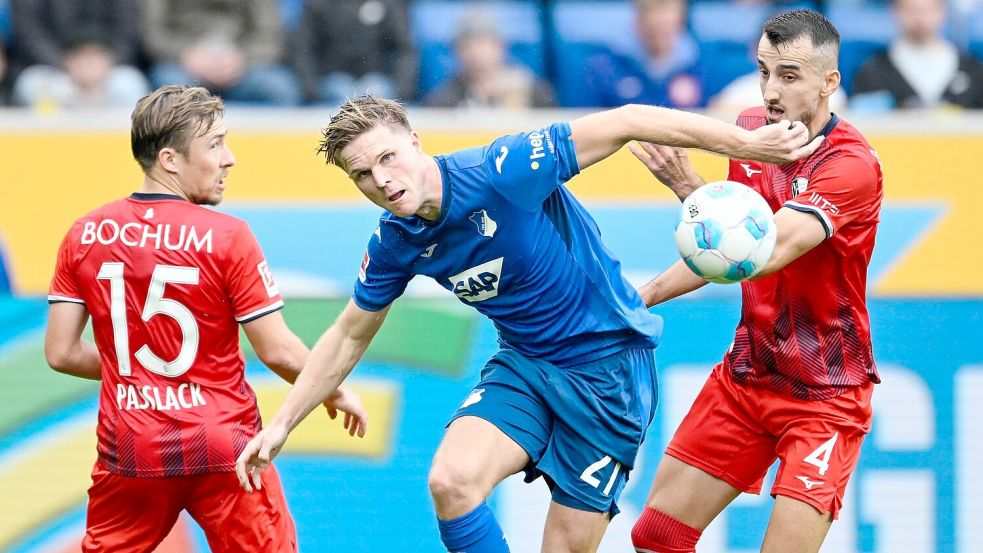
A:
<point x="666" y="70"/>
<point x="232" y="47"/>
<point x="342" y="48"/>
<point x="921" y="67"/>
<point x="514" y="53"/>
<point x="76" y="53"/>
<point x="485" y="77"/>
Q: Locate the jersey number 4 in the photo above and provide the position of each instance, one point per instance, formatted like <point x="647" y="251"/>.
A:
<point x="156" y="304"/>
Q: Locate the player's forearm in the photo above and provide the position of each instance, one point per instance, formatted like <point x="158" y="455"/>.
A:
<point x="290" y="361"/>
<point x="675" y="281"/>
<point x="331" y="360"/>
<point x="80" y="360"/>
<point x="686" y="130"/>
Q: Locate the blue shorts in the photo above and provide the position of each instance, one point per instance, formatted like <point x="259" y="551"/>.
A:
<point x="581" y="425"/>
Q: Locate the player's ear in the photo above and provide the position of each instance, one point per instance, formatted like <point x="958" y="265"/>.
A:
<point x="416" y="141"/>
<point x="831" y="82"/>
<point x="167" y="159"/>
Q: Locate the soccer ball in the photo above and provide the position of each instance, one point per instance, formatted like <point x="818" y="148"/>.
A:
<point x="725" y="232"/>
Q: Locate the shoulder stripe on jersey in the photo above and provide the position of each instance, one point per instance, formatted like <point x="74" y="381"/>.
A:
<point x="61" y="299"/>
<point x="820" y="214"/>
<point x="260" y="312"/>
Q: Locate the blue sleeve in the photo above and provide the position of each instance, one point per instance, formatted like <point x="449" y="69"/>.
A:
<point x="526" y="168"/>
<point x="380" y="281"/>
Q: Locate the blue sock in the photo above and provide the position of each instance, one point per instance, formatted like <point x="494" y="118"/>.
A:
<point x="475" y="532"/>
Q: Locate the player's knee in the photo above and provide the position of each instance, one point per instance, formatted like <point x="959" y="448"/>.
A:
<point x="453" y="484"/>
<point x="658" y="532"/>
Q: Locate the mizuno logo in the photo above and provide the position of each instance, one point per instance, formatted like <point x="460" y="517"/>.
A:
<point x="810" y="483"/>
<point x="501" y="158"/>
<point x="429" y="251"/>
<point x="749" y="171"/>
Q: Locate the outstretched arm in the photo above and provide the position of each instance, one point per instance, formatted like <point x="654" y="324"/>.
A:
<point x="599" y="135"/>
<point x="64" y="348"/>
<point x="675" y="281"/>
<point x="331" y="360"/>
<point x="285" y="354"/>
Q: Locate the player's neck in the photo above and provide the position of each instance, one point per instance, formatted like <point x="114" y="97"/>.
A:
<point x="154" y="184"/>
<point x="819" y="122"/>
<point x="433" y="191"/>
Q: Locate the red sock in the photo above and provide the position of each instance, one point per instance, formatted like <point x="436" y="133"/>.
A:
<point x="657" y="532"/>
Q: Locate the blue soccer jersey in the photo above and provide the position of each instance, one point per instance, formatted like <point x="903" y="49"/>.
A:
<point x="515" y="244"/>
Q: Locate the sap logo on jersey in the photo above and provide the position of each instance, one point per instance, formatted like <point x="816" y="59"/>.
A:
<point x="478" y="283"/>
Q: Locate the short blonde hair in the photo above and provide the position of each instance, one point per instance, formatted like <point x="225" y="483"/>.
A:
<point x="357" y="116"/>
<point x="170" y="117"/>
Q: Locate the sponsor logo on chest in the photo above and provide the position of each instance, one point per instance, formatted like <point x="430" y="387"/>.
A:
<point x="479" y="283"/>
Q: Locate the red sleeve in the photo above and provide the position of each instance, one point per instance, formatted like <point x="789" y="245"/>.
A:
<point x="250" y="284"/>
<point x="842" y="190"/>
<point x="64" y="286"/>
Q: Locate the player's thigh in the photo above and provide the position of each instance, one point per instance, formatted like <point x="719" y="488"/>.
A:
<point x="502" y="424"/>
<point x="130" y="514"/>
<point x="571" y="530"/>
<point x="477" y="454"/>
<point x="795" y="527"/>
<point x="689" y="494"/>
<point x="721" y="436"/>
<point x="820" y="447"/>
<point x="235" y="520"/>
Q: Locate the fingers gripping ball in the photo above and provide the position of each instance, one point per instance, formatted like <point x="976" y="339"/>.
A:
<point x="725" y="232"/>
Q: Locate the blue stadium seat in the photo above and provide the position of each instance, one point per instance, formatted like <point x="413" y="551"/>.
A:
<point x="290" y="12"/>
<point x="974" y="32"/>
<point x="727" y="32"/>
<point x="582" y="29"/>
<point x="865" y="28"/>
<point x="725" y="21"/>
<point x="5" y="28"/>
<point x="435" y="24"/>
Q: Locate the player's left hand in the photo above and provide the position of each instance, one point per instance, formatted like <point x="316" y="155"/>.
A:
<point x="345" y="400"/>
<point x="258" y="453"/>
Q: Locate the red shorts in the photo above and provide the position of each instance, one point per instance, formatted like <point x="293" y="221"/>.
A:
<point x="136" y="514"/>
<point x="736" y="432"/>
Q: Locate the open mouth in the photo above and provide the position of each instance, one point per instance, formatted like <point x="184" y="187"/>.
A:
<point x="395" y="197"/>
<point x="775" y="113"/>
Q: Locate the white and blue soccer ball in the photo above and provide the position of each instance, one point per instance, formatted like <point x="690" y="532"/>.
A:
<point x="725" y="232"/>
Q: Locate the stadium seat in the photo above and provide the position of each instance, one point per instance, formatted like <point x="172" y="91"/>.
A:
<point x="435" y="24"/>
<point x="5" y="28"/>
<point x="864" y="29"/>
<point x="290" y="12"/>
<point x="974" y="31"/>
<point x="582" y="29"/>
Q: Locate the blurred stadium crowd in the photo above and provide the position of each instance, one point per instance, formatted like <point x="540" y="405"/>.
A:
<point x="509" y="53"/>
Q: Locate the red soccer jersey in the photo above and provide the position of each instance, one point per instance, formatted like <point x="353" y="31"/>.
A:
<point x="167" y="284"/>
<point x="804" y="330"/>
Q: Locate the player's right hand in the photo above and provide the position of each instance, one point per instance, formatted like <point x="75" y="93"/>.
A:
<point x="347" y="401"/>
<point x="671" y="166"/>
<point x="782" y="142"/>
<point x="259" y="453"/>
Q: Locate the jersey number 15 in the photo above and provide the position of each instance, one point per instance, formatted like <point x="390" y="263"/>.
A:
<point x="156" y="304"/>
